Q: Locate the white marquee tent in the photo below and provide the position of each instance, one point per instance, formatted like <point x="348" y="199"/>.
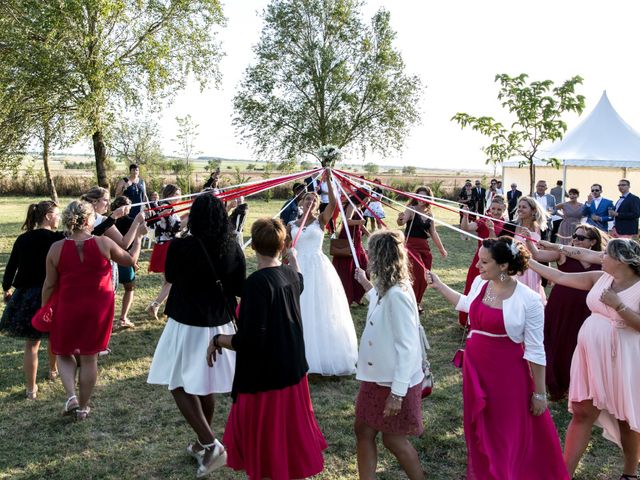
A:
<point x="603" y="148"/>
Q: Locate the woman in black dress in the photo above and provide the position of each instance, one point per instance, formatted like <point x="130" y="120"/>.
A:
<point x="25" y="271"/>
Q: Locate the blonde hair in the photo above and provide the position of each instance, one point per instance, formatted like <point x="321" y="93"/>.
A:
<point x="75" y="216"/>
<point x="388" y="263"/>
<point x="539" y="215"/>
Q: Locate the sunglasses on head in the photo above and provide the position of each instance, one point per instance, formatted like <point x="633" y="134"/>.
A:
<point x="580" y="238"/>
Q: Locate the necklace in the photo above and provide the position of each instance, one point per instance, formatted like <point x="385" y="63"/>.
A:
<point x="489" y="295"/>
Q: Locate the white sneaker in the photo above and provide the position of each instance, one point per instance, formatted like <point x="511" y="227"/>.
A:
<point x="218" y="459"/>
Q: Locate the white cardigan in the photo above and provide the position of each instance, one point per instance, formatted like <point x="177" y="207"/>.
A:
<point x="390" y="353"/>
<point x="523" y="314"/>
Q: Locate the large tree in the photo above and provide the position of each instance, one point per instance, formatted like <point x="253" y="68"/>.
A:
<point x="323" y="76"/>
<point x="117" y="53"/>
<point x="538" y="107"/>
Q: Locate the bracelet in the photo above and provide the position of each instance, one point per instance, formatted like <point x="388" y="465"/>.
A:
<point x="561" y="247"/>
<point x="621" y="308"/>
<point x="397" y="398"/>
<point x="540" y="396"/>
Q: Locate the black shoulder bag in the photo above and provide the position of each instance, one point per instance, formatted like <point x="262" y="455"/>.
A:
<point x="219" y="286"/>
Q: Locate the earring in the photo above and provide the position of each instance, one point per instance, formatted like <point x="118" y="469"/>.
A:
<point x="503" y="277"/>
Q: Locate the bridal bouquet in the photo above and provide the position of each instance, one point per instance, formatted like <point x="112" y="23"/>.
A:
<point x="329" y="155"/>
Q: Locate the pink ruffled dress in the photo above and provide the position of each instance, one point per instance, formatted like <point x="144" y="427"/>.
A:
<point x="605" y="362"/>
<point x="505" y="441"/>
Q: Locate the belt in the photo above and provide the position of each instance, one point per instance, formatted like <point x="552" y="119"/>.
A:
<point x="488" y="334"/>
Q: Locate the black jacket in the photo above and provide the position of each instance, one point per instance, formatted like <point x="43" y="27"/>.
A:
<point x="195" y="299"/>
<point x="626" y="222"/>
<point x="478" y="199"/>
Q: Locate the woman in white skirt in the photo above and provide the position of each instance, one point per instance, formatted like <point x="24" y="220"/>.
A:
<point x="375" y="208"/>
<point x="200" y="307"/>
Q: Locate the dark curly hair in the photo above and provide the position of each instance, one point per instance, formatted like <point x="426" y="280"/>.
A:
<point x="500" y="250"/>
<point x="208" y="220"/>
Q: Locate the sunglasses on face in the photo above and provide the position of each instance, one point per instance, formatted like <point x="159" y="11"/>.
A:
<point x="623" y="185"/>
<point x="595" y="190"/>
<point x="580" y="238"/>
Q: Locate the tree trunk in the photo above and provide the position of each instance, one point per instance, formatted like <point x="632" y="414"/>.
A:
<point x="100" y="151"/>
<point x="532" y="177"/>
<point x="46" y="145"/>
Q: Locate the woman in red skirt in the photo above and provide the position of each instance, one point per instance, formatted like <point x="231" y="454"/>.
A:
<point x="418" y="229"/>
<point x="345" y="266"/>
<point x="271" y="431"/>
<point x="79" y="269"/>
<point x="165" y="229"/>
<point x="389" y="360"/>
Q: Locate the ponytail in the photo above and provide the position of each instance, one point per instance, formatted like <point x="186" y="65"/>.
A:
<point x="36" y="214"/>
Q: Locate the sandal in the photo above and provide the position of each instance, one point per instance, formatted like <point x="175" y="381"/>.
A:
<point x="82" y="413"/>
<point x="626" y="476"/>
<point x="126" y="323"/>
<point x="196" y="450"/>
<point x="53" y="375"/>
<point x="217" y="459"/>
<point x="32" y="394"/>
<point x="152" y="309"/>
<point x="70" y="406"/>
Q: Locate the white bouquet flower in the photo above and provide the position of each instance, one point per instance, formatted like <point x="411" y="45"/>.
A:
<point x="329" y="155"/>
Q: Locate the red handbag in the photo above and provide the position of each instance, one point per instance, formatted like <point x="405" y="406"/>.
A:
<point x="43" y="318"/>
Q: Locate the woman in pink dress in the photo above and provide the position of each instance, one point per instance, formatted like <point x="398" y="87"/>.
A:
<point x="508" y="428"/>
<point x="605" y="385"/>
<point x="79" y="269"/>
<point x="531" y="220"/>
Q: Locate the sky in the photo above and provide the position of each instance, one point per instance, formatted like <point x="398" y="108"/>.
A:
<point x="456" y="47"/>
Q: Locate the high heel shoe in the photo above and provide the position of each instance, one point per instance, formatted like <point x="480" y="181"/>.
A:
<point x="217" y="459"/>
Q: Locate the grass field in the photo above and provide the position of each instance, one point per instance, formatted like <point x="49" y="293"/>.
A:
<point x="135" y="430"/>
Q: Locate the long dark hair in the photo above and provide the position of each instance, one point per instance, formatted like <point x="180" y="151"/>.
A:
<point x="36" y="214"/>
<point x="208" y="220"/>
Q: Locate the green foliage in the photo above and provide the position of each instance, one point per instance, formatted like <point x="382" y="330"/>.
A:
<point x="78" y="165"/>
<point x="94" y="57"/>
<point x="324" y="77"/>
<point x="186" y="140"/>
<point x="306" y="165"/>
<point x="371" y="168"/>
<point x="251" y="166"/>
<point x="213" y="164"/>
<point x="409" y="170"/>
<point x="392" y="171"/>
<point x="136" y="141"/>
<point x="437" y="188"/>
<point x="287" y="166"/>
<point x="538" y="107"/>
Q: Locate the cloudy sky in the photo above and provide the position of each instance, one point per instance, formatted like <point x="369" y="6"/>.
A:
<point x="456" y="47"/>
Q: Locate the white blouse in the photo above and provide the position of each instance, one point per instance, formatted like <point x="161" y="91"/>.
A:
<point x="523" y="314"/>
<point x="390" y="353"/>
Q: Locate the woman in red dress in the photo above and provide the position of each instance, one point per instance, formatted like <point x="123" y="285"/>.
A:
<point x="345" y="266"/>
<point x="566" y="308"/>
<point x="508" y="429"/>
<point x="417" y="232"/>
<point x="483" y="228"/>
<point x="79" y="269"/>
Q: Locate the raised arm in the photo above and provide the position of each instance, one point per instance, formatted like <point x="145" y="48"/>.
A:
<point x="579" y="281"/>
<point x="543" y="255"/>
<point x="327" y="214"/>
<point x="119" y="255"/>
<point x="443" y="289"/>
<point x="579" y="253"/>
<point x="465" y="224"/>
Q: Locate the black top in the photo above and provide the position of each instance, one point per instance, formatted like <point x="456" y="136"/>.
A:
<point x="418" y="227"/>
<point x="123" y="224"/>
<point x="269" y="342"/>
<point x="195" y="299"/>
<point x="28" y="257"/>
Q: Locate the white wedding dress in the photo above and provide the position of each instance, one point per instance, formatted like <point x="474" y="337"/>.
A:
<point x="329" y="335"/>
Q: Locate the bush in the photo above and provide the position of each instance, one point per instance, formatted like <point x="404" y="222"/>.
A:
<point x="90" y="166"/>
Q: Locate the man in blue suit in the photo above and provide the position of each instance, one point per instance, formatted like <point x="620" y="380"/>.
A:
<point x="597" y="208"/>
<point x="626" y="212"/>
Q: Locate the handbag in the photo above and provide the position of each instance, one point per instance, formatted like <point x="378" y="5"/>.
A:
<point x="458" y="357"/>
<point x="427" y="381"/>
<point x="339" y="247"/>
<point x="44" y="317"/>
<point x="218" y="283"/>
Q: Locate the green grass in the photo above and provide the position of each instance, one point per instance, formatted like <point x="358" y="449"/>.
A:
<point x="135" y="430"/>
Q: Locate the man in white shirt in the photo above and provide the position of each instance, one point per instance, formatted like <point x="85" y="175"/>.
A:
<point x="548" y="204"/>
<point x="324" y="201"/>
<point x="596" y="209"/>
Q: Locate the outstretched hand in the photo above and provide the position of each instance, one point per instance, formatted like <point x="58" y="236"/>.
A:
<point x="213" y="352"/>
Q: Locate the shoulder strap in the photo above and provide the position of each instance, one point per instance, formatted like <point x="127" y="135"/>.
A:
<point x="218" y="283"/>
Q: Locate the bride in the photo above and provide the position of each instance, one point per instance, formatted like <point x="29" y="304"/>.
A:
<point x="329" y="335"/>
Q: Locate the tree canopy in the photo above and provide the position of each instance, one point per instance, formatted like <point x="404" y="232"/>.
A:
<point x="111" y="54"/>
<point x="538" y="107"/>
<point x="322" y="76"/>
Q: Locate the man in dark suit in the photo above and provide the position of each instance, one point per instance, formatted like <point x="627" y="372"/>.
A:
<point x="626" y="212"/>
<point x="313" y="185"/>
<point x="513" y="196"/>
<point x="478" y="195"/>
